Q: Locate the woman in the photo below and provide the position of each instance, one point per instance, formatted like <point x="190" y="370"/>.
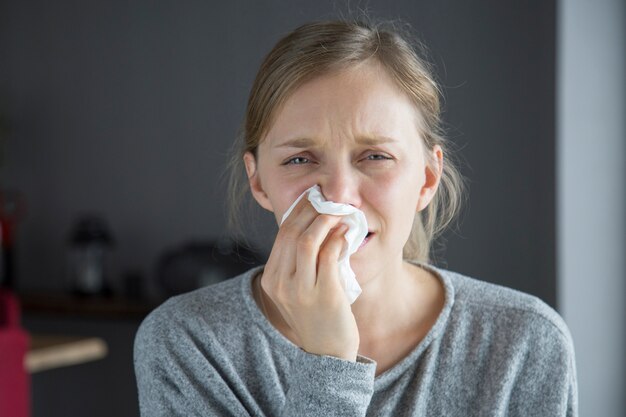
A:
<point x="351" y="108"/>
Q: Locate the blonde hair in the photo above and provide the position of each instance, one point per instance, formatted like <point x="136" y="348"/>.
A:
<point x="319" y="48"/>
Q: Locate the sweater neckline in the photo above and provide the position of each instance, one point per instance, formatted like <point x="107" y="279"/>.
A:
<point x="390" y="374"/>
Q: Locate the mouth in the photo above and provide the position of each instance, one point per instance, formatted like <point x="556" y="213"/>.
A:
<point x="368" y="237"/>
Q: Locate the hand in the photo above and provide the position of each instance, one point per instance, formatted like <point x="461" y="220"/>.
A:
<point x="302" y="279"/>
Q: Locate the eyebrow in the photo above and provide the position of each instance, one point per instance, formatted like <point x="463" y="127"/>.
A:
<point x="305" y="142"/>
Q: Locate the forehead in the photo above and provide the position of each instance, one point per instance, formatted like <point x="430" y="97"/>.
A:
<point x="357" y="102"/>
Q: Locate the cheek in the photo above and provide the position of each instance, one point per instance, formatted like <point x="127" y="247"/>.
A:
<point x="401" y="185"/>
<point x="395" y="196"/>
<point x="283" y="192"/>
<point x="281" y="189"/>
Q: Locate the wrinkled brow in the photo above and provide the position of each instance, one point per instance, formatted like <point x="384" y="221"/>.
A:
<point x="306" y="142"/>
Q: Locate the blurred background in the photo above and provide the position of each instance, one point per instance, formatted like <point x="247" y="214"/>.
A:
<point x="116" y="119"/>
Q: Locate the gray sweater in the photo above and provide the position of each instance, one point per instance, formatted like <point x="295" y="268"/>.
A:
<point x="493" y="351"/>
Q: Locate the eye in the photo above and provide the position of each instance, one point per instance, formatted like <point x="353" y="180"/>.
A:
<point x="377" y="157"/>
<point x="298" y="160"/>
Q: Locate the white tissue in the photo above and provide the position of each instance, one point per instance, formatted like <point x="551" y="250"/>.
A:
<point x="357" y="230"/>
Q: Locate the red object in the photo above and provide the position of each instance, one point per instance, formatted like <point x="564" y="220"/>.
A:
<point x="14" y="379"/>
<point x="12" y="210"/>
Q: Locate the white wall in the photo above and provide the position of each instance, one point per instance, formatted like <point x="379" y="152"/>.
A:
<point x="591" y="199"/>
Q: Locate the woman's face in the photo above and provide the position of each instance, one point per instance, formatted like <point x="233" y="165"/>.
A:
<point x="356" y="135"/>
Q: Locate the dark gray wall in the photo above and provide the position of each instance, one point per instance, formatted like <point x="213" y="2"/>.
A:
<point x="129" y="108"/>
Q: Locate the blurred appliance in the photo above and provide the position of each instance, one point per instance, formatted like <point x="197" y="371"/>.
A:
<point x="89" y="245"/>
<point x="200" y="263"/>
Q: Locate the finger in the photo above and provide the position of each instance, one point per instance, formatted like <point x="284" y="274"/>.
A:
<point x="281" y="264"/>
<point x="290" y="232"/>
<point x="275" y="274"/>
<point x="328" y="259"/>
<point x="282" y="260"/>
<point x="303" y="205"/>
<point x="309" y="244"/>
<point x="298" y="221"/>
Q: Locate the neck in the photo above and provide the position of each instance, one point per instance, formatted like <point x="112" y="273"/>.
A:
<point x="392" y="299"/>
<point x="397" y="299"/>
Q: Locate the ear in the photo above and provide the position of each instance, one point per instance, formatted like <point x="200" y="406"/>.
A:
<point x="255" y="182"/>
<point x="432" y="173"/>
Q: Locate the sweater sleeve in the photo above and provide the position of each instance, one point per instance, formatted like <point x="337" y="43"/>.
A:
<point x="328" y="386"/>
<point x="177" y="375"/>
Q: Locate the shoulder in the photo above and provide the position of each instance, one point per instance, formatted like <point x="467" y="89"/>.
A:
<point x="214" y="309"/>
<point x="512" y="334"/>
<point x="503" y="315"/>
<point x="190" y="352"/>
<point x="516" y="346"/>
<point x="475" y="296"/>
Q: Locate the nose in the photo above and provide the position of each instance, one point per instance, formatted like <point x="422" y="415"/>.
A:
<point x="341" y="185"/>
